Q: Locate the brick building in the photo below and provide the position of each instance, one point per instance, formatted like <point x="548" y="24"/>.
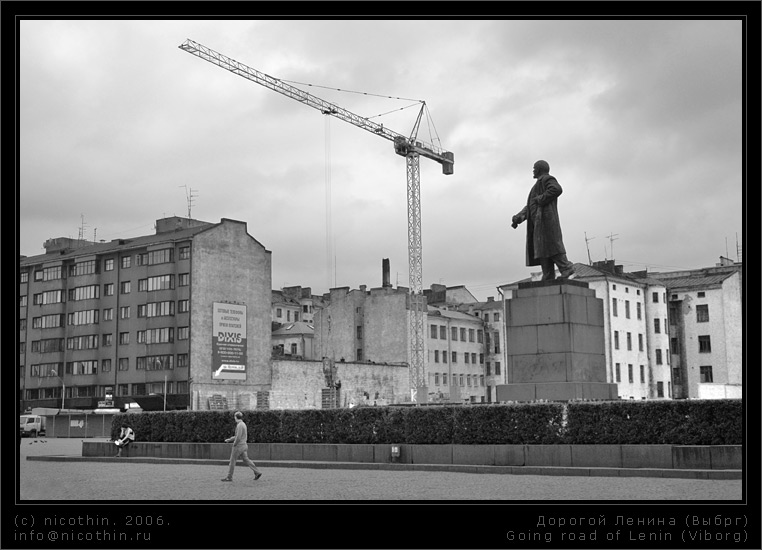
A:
<point x="132" y="317"/>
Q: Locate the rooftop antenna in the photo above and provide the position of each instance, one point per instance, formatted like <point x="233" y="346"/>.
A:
<point x="81" y="236"/>
<point x="587" y="240"/>
<point x="611" y="240"/>
<point x="739" y="250"/>
<point x="189" y="196"/>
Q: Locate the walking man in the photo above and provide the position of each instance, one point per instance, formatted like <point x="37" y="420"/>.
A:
<point x="240" y="448"/>
<point x="545" y="246"/>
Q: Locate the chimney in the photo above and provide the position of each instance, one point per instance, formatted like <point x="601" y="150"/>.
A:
<point x="385" y="273"/>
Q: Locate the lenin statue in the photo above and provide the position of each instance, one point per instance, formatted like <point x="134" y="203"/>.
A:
<point x="545" y="246"/>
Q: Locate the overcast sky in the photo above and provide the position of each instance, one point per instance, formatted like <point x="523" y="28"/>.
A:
<point x="640" y="121"/>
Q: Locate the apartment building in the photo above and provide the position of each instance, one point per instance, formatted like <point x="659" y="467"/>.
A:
<point x="184" y="312"/>
<point x="495" y="358"/>
<point x="705" y="330"/>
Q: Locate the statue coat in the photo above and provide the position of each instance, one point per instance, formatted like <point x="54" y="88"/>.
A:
<point x="544" y="237"/>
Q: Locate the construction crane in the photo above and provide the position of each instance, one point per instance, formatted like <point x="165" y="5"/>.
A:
<point x="407" y="146"/>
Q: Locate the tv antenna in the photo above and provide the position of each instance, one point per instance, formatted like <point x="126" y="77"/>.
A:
<point x="587" y="240"/>
<point x="611" y="238"/>
<point x="189" y="196"/>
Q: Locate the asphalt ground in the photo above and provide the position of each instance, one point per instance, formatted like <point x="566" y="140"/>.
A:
<point x="127" y="480"/>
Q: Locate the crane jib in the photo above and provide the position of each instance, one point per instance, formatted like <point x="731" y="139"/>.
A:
<point x="402" y="145"/>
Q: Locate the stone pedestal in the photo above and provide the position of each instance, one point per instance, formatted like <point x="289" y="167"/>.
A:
<point x="555" y="344"/>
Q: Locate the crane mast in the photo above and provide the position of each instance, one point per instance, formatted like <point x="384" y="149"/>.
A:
<point x="409" y="147"/>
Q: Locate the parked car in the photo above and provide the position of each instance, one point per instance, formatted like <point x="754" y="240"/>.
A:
<point x="31" y="425"/>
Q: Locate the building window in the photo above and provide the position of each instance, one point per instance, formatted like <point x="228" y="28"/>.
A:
<point x="660" y="389"/>
<point x="658" y="357"/>
<point x="673" y="342"/>
<point x="497" y="367"/>
<point x="481" y="358"/>
<point x="184" y="279"/>
<point x="629" y="341"/>
<point x="655" y="297"/>
<point x="279" y="313"/>
<point x="126" y="261"/>
<point x="88" y="317"/>
<point x="702" y="313"/>
<point x="466" y="358"/>
<point x="359" y="354"/>
<point x="124" y="312"/>
<point x="185" y="252"/>
<point x="627" y="309"/>
<point x="614" y="311"/>
<point x="155" y="257"/>
<point x="706" y="375"/>
<point x="105" y="365"/>
<point x="462" y="380"/>
<point x="616" y="339"/>
<point x="471" y="334"/>
<point x="443" y="333"/>
<point x="479" y="336"/>
<point x="160" y="282"/>
<point x="468" y="380"/>
<point x="183" y="306"/>
<point x="183" y="333"/>
<point x="108" y="339"/>
<point x="108" y="314"/>
<point x="436" y="356"/>
<point x="108" y="289"/>
<point x="462" y="335"/>
<point x="481" y="380"/>
<point x="83" y="268"/>
<point x="124" y="338"/>
<point x="434" y="332"/>
<point x="183" y="360"/>
<point x="108" y="265"/>
<point x="705" y="344"/>
<point x="642" y="374"/>
<point x="657" y="326"/>
<point x="124" y="287"/>
<point x="640" y="342"/>
<point x="454" y="357"/>
<point x="618" y="372"/>
<point x="157" y="309"/>
<point x="488" y="368"/>
<point x="454" y="334"/>
<point x="497" y="342"/>
<point x="24" y="277"/>
<point x="156" y="336"/>
<point x="444" y="357"/>
<point x="124" y="363"/>
<point x="629" y="374"/>
<point x="496" y="317"/>
<point x="444" y="378"/>
<point x="359" y="333"/>
<point x="49" y="297"/>
<point x="640" y="314"/>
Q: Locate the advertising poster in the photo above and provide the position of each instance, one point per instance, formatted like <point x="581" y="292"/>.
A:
<point x="228" y="341"/>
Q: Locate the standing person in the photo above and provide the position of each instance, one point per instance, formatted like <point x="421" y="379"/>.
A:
<point x="545" y="246"/>
<point x="126" y="436"/>
<point x="240" y="448"/>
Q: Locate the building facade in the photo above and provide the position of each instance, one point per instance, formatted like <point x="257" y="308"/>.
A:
<point x="706" y="330"/>
<point x="119" y="321"/>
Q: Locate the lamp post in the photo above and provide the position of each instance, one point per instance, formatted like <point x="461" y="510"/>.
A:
<point x="63" y="387"/>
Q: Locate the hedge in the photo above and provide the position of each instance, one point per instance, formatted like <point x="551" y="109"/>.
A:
<point x="690" y="422"/>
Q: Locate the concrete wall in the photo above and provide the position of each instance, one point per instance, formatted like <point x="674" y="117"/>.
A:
<point x="721" y="457"/>
<point x="228" y="265"/>
<point x="298" y="384"/>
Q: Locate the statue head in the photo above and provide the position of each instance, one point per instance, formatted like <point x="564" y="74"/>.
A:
<point x="540" y="167"/>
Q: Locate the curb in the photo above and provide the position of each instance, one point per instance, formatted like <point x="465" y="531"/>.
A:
<point x="475" y="469"/>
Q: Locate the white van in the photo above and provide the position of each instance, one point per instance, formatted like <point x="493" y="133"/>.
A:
<point x="31" y="425"/>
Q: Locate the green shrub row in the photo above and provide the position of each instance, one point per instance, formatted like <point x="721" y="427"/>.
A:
<point x="705" y="422"/>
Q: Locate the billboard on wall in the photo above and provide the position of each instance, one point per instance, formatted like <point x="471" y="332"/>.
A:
<point x="228" y="341"/>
